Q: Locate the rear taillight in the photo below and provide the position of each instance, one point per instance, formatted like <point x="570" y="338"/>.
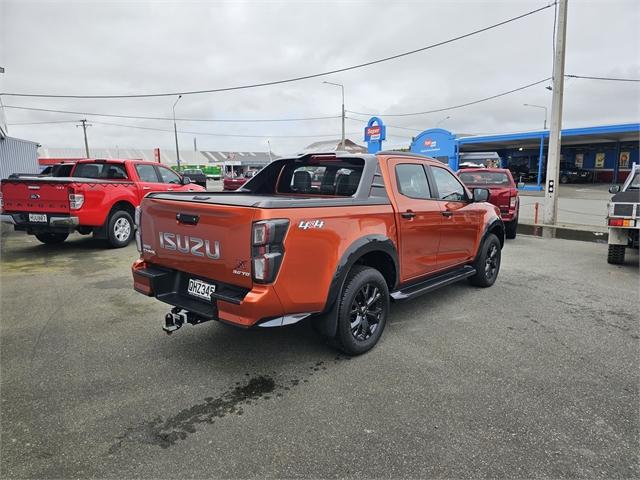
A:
<point x="136" y="220"/>
<point x="76" y="200"/>
<point x="621" y="222"/>
<point x="1" y="202"/>
<point x="512" y="202"/>
<point x="267" y="249"/>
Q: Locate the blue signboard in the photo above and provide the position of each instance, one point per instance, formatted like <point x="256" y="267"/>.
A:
<point x="439" y="144"/>
<point x="374" y="133"/>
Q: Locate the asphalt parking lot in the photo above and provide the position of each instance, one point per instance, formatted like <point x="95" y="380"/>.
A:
<point x="534" y="377"/>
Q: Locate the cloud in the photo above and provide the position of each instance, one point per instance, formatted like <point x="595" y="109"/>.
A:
<point x="116" y="46"/>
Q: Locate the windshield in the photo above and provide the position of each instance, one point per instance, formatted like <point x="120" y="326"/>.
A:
<point x="635" y="182"/>
<point x="485" y="178"/>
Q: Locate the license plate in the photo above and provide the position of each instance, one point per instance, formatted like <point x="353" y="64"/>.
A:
<point x="37" y="217"/>
<point x="200" y="289"/>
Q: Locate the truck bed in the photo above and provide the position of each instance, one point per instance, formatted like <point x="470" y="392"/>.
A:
<point x="249" y="199"/>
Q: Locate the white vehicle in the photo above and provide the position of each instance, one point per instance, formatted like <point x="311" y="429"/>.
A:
<point x="623" y="216"/>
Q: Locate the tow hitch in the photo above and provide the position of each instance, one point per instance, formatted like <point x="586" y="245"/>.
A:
<point x="178" y="317"/>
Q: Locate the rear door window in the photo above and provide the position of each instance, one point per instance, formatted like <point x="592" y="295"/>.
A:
<point x="412" y="181"/>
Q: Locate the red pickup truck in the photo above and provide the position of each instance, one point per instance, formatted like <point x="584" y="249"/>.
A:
<point x="99" y="197"/>
<point x="502" y="193"/>
<point x="284" y="247"/>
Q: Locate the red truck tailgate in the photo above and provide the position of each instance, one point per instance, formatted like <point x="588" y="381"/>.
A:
<point x="36" y="195"/>
<point x="206" y="240"/>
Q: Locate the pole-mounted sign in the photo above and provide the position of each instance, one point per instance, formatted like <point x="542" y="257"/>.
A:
<point x="374" y="134"/>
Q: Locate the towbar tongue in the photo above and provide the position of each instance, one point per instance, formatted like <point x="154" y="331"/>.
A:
<point x="178" y="317"/>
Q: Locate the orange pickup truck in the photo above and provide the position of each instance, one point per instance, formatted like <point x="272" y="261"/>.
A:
<point x="370" y="229"/>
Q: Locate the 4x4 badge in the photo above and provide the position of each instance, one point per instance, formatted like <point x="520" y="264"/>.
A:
<point x="306" y="224"/>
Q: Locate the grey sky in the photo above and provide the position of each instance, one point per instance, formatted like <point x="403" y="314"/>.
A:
<point x="114" y="47"/>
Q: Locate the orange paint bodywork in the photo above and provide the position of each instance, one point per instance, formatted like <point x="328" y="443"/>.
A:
<point x="427" y="243"/>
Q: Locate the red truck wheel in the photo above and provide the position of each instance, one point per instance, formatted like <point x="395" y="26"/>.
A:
<point x="120" y="229"/>
<point x="364" y="306"/>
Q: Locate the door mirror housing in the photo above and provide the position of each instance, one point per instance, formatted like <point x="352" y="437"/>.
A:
<point x="186" y="180"/>
<point x="480" y="195"/>
<point x="614" y="188"/>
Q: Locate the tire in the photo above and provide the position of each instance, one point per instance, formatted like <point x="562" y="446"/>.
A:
<point x="120" y="229"/>
<point x="487" y="263"/>
<point x="615" y="255"/>
<point x="511" y="229"/>
<point x="51" y="238"/>
<point x="353" y="336"/>
<point x="564" y="179"/>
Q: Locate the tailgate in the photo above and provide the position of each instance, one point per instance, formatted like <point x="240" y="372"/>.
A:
<point x="36" y="195"/>
<point x="209" y="241"/>
<point x="500" y="197"/>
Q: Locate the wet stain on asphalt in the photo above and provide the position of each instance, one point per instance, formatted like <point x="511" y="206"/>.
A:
<point x="167" y="432"/>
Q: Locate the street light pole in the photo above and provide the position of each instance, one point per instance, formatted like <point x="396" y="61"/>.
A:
<point x="175" y="131"/>
<point x="343" y="111"/>
<point x="553" y="157"/>
<point x="539" y="106"/>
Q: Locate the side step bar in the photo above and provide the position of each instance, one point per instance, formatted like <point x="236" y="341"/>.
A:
<point x="433" y="283"/>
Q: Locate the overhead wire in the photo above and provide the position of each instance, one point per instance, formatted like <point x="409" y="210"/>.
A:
<point x="293" y="79"/>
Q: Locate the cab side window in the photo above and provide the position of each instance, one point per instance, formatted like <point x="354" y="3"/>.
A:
<point x="449" y="188"/>
<point x="168" y="175"/>
<point x="412" y="181"/>
<point x="147" y="173"/>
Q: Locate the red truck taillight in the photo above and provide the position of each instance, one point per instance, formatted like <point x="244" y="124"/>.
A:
<point x="267" y="249"/>
<point x="512" y="202"/>
<point x="76" y="200"/>
<point x="136" y="221"/>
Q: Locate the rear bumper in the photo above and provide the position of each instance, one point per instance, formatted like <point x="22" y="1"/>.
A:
<point x="231" y="304"/>
<point x="55" y="222"/>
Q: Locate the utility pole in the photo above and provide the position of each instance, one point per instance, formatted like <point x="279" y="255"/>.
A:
<point x="269" y="143"/>
<point x="84" y="129"/>
<point x="195" y="144"/>
<point x="553" y="155"/>
<point x="343" y="111"/>
<point x="175" y="131"/>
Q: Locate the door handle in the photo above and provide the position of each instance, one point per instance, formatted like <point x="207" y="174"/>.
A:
<point x="447" y="213"/>
<point x="170" y="189"/>
<point x="408" y="214"/>
<point x="146" y="188"/>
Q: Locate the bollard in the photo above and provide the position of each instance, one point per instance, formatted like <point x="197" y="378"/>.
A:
<point x="535" y="220"/>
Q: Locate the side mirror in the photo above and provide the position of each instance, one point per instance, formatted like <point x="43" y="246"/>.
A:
<point x="520" y="185"/>
<point x="614" y="188"/>
<point x="186" y="180"/>
<point x="480" y="195"/>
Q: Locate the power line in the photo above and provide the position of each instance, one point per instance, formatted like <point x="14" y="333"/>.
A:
<point x="139" y="117"/>
<point x="294" y="79"/>
<point x="608" y="79"/>
<point x="444" y="109"/>
<point x="387" y="125"/>
<point x="42" y="123"/>
<point x="225" y="134"/>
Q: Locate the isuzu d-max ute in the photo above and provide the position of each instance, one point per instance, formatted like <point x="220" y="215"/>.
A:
<point x="330" y="237"/>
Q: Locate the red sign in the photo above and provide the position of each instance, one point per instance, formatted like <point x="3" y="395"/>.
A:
<point x="373" y="131"/>
<point x="156" y="154"/>
<point x="428" y="142"/>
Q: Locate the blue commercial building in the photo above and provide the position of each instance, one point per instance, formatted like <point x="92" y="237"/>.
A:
<point x="608" y="151"/>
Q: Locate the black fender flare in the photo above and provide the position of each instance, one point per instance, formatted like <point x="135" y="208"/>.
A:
<point x="327" y="321"/>
<point x="490" y="227"/>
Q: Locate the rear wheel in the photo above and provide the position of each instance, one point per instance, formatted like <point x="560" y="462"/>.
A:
<point x="51" y="238"/>
<point x="616" y="254"/>
<point x="120" y="229"/>
<point x="511" y="228"/>
<point x="564" y="179"/>
<point x="487" y="262"/>
<point x="362" y="315"/>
